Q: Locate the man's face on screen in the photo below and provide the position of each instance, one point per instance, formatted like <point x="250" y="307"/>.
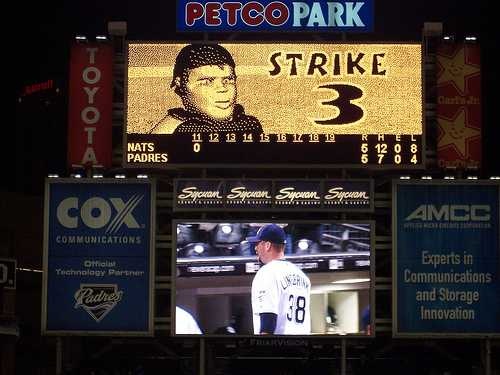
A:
<point x="211" y="90"/>
<point x="264" y="251"/>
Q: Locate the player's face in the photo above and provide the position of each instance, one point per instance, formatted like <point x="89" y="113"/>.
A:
<point x="211" y="90"/>
<point x="263" y="250"/>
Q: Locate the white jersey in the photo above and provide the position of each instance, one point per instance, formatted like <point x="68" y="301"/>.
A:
<point x="185" y="323"/>
<point x="281" y="288"/>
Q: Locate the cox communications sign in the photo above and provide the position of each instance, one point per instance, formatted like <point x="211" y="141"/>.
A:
<point x="270" y="15"/>
<point x="447" y="258"/>
<point x="98" y="257"/>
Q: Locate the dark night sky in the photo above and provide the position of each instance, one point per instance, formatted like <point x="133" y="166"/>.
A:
<point x="45" y="31"/>
<point x="48" y="29"/>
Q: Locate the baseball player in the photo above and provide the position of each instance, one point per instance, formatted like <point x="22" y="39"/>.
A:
<point x="280" y="290"/>
<point x="204" y="77"/>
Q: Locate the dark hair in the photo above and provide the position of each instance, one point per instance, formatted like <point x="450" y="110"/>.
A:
<point x="195" y="55"/>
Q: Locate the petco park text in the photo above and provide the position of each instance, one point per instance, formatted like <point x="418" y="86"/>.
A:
<point x="275" y="14"/>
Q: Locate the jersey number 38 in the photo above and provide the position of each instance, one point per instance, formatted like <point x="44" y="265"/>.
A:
<point x="297" y="309"/>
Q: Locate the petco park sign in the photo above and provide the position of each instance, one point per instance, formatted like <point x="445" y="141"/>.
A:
<point x="269" y="15"/>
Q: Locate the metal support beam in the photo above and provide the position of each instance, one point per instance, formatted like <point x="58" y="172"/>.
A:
<point x="201" y="368"/>
<point x="343" y="359"/>
<point x="58" y="355"/>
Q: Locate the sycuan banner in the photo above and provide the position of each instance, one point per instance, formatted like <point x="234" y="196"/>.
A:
<point x="446" y="258"/>
<point x="98" y="257"/>
<point x="273" y="195"/>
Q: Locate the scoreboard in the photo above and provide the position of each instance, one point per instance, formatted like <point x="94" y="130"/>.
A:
<point x="232" y="149"/>
<point x="274" y="104"/>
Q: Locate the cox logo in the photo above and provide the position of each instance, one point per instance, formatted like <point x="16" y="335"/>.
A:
<point x="96" y="212"/>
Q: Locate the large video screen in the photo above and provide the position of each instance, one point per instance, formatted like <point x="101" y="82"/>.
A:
<point x="268" y="104"/>
<point x="282" y="278"/>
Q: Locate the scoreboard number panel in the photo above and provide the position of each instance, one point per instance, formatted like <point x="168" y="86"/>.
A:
<point x="318" y="105"/>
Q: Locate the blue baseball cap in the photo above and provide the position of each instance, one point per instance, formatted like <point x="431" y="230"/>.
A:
<point x="269" y="232"/>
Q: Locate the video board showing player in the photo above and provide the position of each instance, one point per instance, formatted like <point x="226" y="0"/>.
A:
<point x="281" y="278"/>
<point x="267" y="104"/>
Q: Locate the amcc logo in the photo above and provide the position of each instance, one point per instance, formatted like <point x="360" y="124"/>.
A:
<point x="97" y="212"/>
<point x="451" y="212"/>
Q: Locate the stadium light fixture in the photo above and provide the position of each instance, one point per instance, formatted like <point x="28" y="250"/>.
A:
<point x="303" y="244"/>
<point x="226" y="228"/>
<point x="28" y="269"/>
